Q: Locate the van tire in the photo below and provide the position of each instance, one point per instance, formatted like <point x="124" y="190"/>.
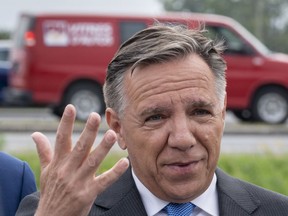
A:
<point x="244" y="115"/>
<point x="270" y="105"/>
<point x="86" y="97"/>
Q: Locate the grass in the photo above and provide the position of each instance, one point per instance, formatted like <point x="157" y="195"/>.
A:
<point x="268" y="170"/>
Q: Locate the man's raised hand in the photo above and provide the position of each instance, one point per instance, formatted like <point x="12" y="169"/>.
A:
<point x="68" y="184"/>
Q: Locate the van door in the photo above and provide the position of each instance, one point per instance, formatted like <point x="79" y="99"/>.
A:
<point x="241" y="66"/>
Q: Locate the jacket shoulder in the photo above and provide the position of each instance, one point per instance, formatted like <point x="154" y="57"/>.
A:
<point x="249" y="197"/>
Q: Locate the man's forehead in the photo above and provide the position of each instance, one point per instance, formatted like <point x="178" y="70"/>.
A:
<point x="181" y="77"/>
<point x="190" y="67"/>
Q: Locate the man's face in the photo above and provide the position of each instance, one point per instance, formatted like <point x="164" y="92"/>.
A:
<point x="172" y="127"/>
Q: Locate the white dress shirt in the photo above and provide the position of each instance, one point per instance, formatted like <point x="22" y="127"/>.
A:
<point x="206" y="203"/>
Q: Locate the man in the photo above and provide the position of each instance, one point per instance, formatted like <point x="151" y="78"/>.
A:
<point x="16" y="181"/>
<point x="166" y="101"/>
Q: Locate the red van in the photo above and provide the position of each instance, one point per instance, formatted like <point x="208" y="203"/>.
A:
<point x="59" y="59"/>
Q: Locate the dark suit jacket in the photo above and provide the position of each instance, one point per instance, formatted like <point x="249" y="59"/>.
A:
<point x="16" y="181"/>
<point x="236" y="198"/>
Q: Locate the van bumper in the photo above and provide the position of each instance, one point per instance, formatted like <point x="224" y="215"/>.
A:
<point x="17" y="97"/>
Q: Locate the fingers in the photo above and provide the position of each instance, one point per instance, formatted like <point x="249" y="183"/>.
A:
<point x="63" y="143"/>
<point x="43" y="148"/>
<point x="69" y="169"/>
<point x="85" y="141"/>
<point x="109" y="177"/>
<point x="98" y="154"/>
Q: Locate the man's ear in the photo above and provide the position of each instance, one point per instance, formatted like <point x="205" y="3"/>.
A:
<point x="114" y="123"/>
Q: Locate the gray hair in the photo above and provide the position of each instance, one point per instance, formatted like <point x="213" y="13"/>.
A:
<point x="157" y="44"/>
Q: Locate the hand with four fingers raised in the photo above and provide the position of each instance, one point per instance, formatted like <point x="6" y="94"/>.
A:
<point x="68" y="184"/>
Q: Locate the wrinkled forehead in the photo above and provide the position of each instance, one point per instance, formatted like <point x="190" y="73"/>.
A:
<point x="187" y="75"/>
<point x="190" y="67"/>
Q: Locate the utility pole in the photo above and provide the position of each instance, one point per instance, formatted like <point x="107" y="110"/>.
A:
<point x="259" y="9"/>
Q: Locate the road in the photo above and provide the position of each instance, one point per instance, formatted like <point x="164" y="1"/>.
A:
<point x="17" y="124"/>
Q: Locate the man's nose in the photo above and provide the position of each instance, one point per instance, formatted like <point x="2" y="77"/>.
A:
<point x="181" y="135"/>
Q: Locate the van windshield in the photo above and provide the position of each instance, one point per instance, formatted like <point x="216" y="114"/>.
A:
<point x="252" y="39"/>
<point x="236" y="44"/>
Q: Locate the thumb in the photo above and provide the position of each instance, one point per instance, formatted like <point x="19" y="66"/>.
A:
<point x="43" y="147"/>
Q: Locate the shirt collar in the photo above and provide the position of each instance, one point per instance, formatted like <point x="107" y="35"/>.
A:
<point x="207" y="201"/>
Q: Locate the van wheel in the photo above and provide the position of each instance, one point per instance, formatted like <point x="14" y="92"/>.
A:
<point x="87" y="98"/>
<point x="244" y="115"/>
<point x="270" y="105"/>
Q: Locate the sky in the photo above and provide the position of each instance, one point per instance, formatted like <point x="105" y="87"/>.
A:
<point x="10" y="9"/>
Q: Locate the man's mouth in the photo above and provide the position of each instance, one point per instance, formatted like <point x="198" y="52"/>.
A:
<point x="183" y="168"/>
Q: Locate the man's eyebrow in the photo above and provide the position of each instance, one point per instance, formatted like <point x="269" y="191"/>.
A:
<point x="153" y="110"/>
<point x="200" y="103"/>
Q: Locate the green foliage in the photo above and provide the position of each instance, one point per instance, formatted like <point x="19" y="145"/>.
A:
<point x="4" y="35"/>
<point x="269" y="171"/>
<point x="1" y="142"/>
<point x="264" y="18"/>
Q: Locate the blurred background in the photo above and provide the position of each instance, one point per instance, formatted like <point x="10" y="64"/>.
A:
<point x="266" y="19"/>
<point x="251" y="149"/>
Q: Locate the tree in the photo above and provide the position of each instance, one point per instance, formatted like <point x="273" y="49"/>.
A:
<point x="5" y="35"/>
<point x="266" y="19"/>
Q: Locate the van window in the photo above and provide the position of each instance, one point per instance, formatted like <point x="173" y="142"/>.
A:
<point x="234" y="44"/>
<point x="25" y="24"/>
<point x="127" y="29"/>
<point x="5" y="46"/>
<point x="4" y="54"/>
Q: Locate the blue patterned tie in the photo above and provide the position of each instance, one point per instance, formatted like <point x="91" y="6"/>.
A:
<point x="179" y="209"/>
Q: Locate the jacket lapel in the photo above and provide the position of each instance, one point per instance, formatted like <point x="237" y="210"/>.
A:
<point x="121" y="199"/>
<point x="234" y="198"/>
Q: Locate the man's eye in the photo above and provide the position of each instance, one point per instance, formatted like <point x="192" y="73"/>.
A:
<point x="201" y="112"/>
<point x="154" y="118"/>
<point x="201" y="115"/>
